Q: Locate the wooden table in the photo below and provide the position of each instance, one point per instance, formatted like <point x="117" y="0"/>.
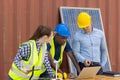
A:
<point x="99" y="77"/>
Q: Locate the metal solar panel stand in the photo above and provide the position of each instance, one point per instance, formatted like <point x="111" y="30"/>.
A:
<point x="69" y="16"/>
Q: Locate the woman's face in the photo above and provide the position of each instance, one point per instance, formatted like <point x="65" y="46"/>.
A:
<point x="49" y="37"/>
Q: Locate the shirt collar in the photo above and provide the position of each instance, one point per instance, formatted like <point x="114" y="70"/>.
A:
<point x="93" y="29"/>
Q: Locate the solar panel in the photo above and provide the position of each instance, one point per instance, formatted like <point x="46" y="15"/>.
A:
<point x="69" y="17"/>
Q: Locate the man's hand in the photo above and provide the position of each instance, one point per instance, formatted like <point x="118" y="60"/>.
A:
<point x="72" y="75"/>
<point x="87" y="62"/>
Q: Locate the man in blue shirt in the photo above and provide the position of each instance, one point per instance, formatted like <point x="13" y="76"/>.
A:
<point x="89" y="44"/>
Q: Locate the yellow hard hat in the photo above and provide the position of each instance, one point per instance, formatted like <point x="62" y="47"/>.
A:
<point x="83" y="20"/>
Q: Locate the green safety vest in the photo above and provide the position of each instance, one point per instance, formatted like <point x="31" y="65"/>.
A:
<point x="34" y="60"/>
<point x="52" y="52"/>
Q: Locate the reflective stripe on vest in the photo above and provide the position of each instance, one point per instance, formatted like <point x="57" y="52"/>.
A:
<point x="18" y="73"/>
<point x="52" y="51"/>
<point x="28" y="66"/>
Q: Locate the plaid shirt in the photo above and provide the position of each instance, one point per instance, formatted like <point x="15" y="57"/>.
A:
<point x="24" y="54"/>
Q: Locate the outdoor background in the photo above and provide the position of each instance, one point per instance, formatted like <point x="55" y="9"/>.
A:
<point x="20" y="18"/>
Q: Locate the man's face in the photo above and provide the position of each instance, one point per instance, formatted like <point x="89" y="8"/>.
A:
<point x="60" y="39"/>
<point x="88" y="29"/>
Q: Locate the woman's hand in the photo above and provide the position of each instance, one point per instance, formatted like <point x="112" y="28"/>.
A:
<point x="24" y="70"/>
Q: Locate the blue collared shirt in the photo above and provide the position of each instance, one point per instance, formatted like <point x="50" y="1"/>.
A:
<point x="90" y="46"/>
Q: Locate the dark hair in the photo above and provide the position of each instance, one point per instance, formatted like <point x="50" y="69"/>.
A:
<point x="40" y="32"/>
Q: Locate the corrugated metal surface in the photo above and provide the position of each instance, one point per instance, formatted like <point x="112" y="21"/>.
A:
<point x="19" y="19"/>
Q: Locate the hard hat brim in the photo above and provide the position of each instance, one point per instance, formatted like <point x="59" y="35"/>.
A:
<point x="65" y="35"/>
<point x="83" y="26"/>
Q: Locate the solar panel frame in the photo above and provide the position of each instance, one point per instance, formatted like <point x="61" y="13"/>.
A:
<point x="69" y="17"/>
